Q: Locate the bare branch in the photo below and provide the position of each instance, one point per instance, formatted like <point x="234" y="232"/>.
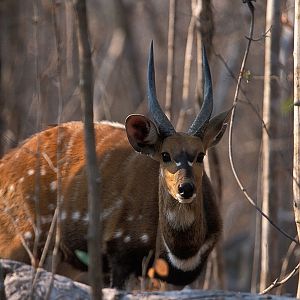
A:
<point x="38" y="127"/>
<point x="285" y="263"/>
<point x="243" y="189"/>
<point x="187" y="69"/>
<point x="256" y="112"/>
<point x="278" y="282"/>
<point x="171" y="50"/>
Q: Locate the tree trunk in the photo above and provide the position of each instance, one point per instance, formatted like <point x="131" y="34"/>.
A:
<point x="270" y="115"/>
<point x="93" y="176"/>
<point x="296" y="168"/>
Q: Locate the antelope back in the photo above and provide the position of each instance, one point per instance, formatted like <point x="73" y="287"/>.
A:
<point x="35" y="163"/>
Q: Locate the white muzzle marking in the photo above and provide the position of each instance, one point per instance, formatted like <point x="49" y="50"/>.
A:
<point x="184" y="200"/>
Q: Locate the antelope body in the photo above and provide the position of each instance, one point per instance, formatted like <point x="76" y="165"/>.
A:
<point x="165" y="188"/>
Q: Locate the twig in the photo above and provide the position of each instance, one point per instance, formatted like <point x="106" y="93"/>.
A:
<point x="45" y="251"/>
<point x="262" y="37"/>
<point x="38" y="125"/>
<point x="171" y="50"/>
<point x="257" y="235"/>
<point x="48" y="240"/>
<point x="14" y="221"/>
<point x="256" y="112"/>
<point x="57" y="219"/>
<point x="243" y="189"/>
<point x="199" y="85"/>
<point x="278" y="282"/>
<point x="286" y="263"/>
<point x="122" y="15"/>
<point x="186" y="72"/>
<point x="102" y="77"/>
<point x="145" y="265"/>
<point x="69" y="38"/>
<point x="93" y="176"/>
<point x="49" y="161"/>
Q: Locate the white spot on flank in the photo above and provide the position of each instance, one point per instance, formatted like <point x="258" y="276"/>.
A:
<point x="129" y="218"/>
<point x="51" y="206"/>
<point x="63" y="215"/>
<point x="11" y="188"/>
<point x="43" y="171"/>
<point x="85" y="217"/>
<point x="144" y="238"/>
<point x="118" y="233"/>
<point x="21" y="179"/>
<point x="30" y="172"/>
<point x="27" y="235"/>
<point x="127" y="239"/>
<point x="46" y="219"/>
<point x="53" y="185"/>
<point x="75" y="215"/>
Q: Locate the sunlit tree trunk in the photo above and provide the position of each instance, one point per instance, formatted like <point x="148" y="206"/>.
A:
<point x="270" y="115"/>
<point x="296" y="168"/>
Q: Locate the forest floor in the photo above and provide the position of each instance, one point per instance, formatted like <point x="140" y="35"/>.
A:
<point x="16" y="282"/>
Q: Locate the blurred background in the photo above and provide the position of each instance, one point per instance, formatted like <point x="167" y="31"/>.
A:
<point x="39" y="71"/>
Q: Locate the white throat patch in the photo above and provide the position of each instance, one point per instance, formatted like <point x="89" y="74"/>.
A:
<point x="192" y="262"/>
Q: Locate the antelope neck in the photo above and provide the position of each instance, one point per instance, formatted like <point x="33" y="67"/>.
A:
<point x="183" y="226"/>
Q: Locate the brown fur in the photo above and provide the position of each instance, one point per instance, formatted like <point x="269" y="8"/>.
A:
<point x="137" y="192"/>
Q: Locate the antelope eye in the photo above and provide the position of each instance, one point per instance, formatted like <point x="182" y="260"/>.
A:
<point x="166" y="157"/>
<point x="200" y="157"/>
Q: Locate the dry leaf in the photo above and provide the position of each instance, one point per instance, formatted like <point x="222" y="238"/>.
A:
<point x="161" y="267"/>
<point x="151" y="272"/>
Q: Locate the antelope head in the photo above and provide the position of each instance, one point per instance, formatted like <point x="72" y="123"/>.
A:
<point x="180" y="155"/>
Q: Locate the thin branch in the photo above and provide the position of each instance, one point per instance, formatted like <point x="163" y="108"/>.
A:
<point x="48" y="240"/>
<point x="186" y="72"/>
<point x="243" y="189"/>
<point x="38" y="125"/>
<point x="256" y="112"/>
<point x="145" y="266"/>
<point x="171" y="50"/>
<point x="45" y="250"/>
<point x="102" y="77"/>
<point x="56" y="219"/>
<point x="278" y="282"/>
<point x="262" y="37"/>
<point x="285" y="263"/>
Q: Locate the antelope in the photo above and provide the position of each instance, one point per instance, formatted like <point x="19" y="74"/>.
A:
<point x="165" y="188"/>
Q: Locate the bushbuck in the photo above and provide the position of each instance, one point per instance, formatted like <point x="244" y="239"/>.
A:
<point x="165" y="188"/>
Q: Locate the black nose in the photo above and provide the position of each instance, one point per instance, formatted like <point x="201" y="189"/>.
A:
<point x="186" y="190"/>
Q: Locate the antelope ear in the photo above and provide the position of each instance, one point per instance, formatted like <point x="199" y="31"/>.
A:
<point x="216" y="128"/>
<point x="142" y="134"/>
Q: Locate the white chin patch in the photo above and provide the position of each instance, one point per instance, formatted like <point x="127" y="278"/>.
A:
<point x="184" y="200"/>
